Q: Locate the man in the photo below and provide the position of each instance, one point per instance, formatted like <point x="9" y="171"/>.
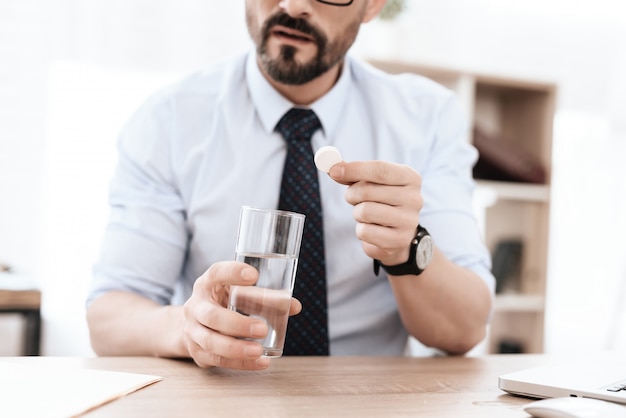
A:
<point x="195" y="153"/>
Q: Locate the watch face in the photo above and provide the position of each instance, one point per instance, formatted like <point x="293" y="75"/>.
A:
<point x="424" y="252"/>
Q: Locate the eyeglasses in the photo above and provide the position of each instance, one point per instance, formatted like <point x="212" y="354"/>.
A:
<point x="340" y="3"/>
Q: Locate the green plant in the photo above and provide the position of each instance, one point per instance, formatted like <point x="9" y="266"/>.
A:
<point x="392" y="9"/>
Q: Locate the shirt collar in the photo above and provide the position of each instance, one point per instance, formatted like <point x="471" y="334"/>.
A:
<point x="270" y="105"/>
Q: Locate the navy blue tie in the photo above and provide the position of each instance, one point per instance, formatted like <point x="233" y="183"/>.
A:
<point x="307" y="332"/>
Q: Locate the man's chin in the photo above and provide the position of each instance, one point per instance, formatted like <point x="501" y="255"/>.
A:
<point x="300" y="52"/>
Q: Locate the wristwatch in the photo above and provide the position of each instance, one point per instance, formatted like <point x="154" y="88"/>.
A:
<point x="420" y="255"/>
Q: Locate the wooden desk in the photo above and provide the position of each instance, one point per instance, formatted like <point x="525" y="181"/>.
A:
<point x="317" y="387"/>
<point x="26" y="302"/>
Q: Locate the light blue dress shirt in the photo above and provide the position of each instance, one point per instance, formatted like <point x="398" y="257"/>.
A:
<point x="197" y="151"/>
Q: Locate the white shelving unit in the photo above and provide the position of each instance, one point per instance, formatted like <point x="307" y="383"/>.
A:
<point x="520" y="112"/>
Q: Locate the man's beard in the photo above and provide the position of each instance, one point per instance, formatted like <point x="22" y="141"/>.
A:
<point x="284" y="68"/>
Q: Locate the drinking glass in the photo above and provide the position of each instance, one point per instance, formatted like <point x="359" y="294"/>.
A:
<point x="269" y="240"/>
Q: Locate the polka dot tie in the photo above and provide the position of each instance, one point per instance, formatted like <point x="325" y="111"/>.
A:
<point x="307" y="332"/>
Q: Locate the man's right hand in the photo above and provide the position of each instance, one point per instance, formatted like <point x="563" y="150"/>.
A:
<point x="212" y="334"/>
<point x="122" y="323"/>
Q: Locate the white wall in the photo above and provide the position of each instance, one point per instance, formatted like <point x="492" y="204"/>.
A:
<point x="578" y="45"/>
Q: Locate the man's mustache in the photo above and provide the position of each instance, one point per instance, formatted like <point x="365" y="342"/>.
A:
<point x="300" y="25"/>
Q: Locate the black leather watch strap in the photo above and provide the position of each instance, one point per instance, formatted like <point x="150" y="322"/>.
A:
<point x="410" y="266"/>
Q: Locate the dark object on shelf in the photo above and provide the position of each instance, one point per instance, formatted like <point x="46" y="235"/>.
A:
<point x="507" y="265"/>
<point x="28" y="304"/>
<point x="18" y="295"/>
<point x="510" y="347"/>
<point x="503" y="161"/>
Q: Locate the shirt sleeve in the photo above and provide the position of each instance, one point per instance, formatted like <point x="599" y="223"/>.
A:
<point x="146" y="238"/>
<point x="447" y="189"/>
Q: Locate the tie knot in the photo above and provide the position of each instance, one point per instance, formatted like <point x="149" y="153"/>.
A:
<point x="298" y="125"/>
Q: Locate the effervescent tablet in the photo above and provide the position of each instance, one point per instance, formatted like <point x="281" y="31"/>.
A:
<point x="326" y="157"/>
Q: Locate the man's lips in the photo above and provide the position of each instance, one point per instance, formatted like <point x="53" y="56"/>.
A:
<point x="285" y="32"/>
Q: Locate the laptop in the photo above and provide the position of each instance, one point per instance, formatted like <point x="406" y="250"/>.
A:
<point x="603" y="378"/>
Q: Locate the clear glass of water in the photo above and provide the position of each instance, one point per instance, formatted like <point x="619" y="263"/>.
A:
<point x="269" y="240"/>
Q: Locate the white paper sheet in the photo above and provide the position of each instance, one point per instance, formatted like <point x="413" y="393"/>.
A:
<point x="31" y="390"/>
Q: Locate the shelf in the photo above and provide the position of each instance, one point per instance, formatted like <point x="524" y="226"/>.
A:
<point x="517" y="191"/>
<point x="519" y="303"/>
